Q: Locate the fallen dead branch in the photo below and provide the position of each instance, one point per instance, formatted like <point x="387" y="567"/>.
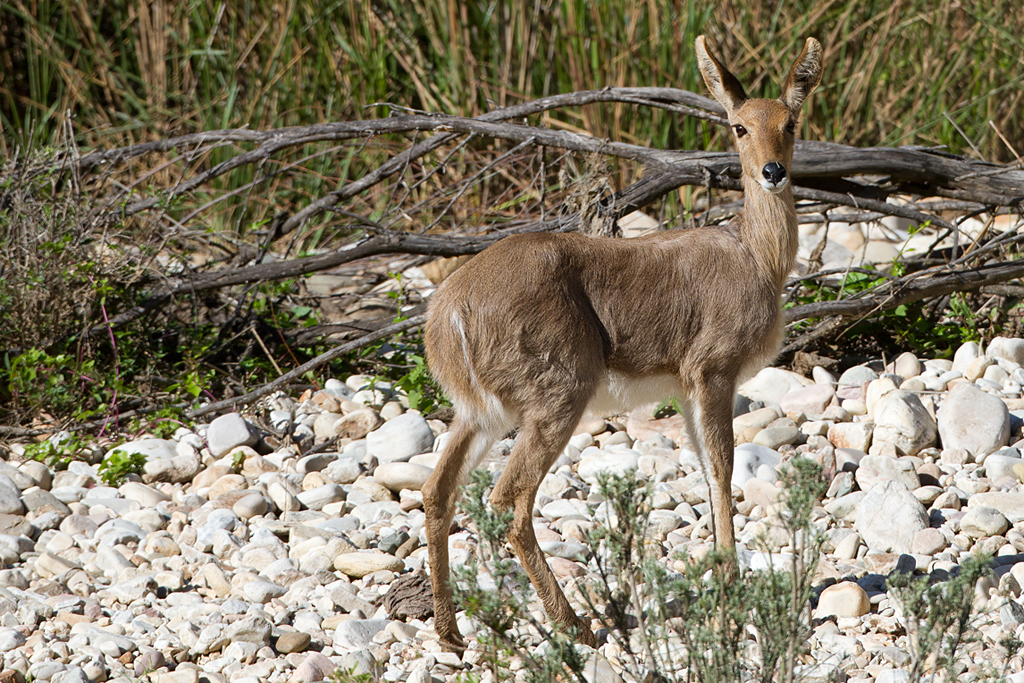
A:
<point x="407" y="196"/>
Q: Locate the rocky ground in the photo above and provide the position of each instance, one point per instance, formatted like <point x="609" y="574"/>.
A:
<point x="239" y="556"/>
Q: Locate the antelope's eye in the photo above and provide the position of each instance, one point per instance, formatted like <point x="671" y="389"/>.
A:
<point x="791" y="127"/>
<point x="740" y="131"/>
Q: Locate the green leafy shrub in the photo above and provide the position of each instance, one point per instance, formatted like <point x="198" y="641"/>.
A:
<point x="116" y="467"/>
<point x="693" y="624"/>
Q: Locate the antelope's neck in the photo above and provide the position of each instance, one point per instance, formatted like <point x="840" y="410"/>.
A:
<point x="769" y="230"/>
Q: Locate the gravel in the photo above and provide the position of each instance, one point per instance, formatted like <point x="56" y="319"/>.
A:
<point x="237" y="557"/>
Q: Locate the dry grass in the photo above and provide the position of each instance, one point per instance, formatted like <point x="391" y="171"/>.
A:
<point x="897" y="72"/>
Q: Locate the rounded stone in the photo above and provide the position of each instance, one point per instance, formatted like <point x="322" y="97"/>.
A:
<point x="885" y="502"/>
<point x="981" y="521"/>
<point x="563" y="568"/>
<point x="902" y="420"/>
<point x="358" y="565"/>
<point x="228" y="432"/>
<point x="400" y="438"/>
<point x="250" y="505"/>
<point x="973" y="420"/>
<point x="928" y="542"/>
<point x="262" y="591"/>
<point x="402" y="475"/>
<point x="845" y="599"/>
<point x="292" y="641"/>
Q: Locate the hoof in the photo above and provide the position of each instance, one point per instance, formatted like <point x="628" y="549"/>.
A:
<point x="453" y="643"/>
<point x="584" y="635"/>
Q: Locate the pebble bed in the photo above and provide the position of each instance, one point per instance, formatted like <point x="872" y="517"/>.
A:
<point x="236" y="558"/>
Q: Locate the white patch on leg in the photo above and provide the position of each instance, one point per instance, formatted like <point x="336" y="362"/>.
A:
<point x="479" y="447"/>
<point x="618" y="393"/>
<point x="691" y="416"/>
<point x="495" y="420"/>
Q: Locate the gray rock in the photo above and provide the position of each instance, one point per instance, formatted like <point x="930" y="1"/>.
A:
<point x="893" y="676"/>
<point x="402" y="475"/>
<point x="906" y="365"/>
<point x="568" y="551"/>
<point x="885" y="502"/>
<point x="148" y="661"/>
<point x="981" y="521"/>
<point x="1000" y="465"/>
<point x="857" y="375"/>
<point x="965" y="355"/>
<point x="153" y="449"/>
<point x="315" y="462"/>
<point x="262" y="591"/>
<point x="323" y="426"/>
<point x="811" y="401"/>
<point x="211" y="639"/>
<point x="282" y="497"/>
<point x="250" y="506"/>
<point x="1009" y="503"/>
<point x="118" y="531"/>
<point x="10" y="498"/>
<point x="973" y="420"/>
<point x="144" y="495"/>
<point x="774" y="437"/>
<point x="292" y="641"/>
<point x="40" y="502"/>
<point x="361" y="663"/>
<point x="851" y="435"/>
<point x="878" y="468"/>
<point x="11" y="639"/>
<point x="228" y="432"/>
<point x="771" y="384"/>
<point x="902" y="420"/>
<point x="15" y="525"/>
<point x="596" y="462"/>
<point x="315" y="667"/>
<point x="1010" y="349"/>
<point x="846" y="599"/>
<point x="315" y="499"/>
<point x="357" y="424"/>
<point x="358" y="565"/>
<point x="357" y="634"/>
<point x="253" y="629"/>
<point x="750" y="459"/>
<point x="98" y="637"/>
<point x="345" y="469"/>
<point x="129" y="591"/>
<point x="22" y="479"/>
<point x="400" y="438"/>
<point x="180" y="469"/>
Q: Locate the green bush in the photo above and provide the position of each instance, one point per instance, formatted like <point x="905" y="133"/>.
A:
<point x="116" y="467"/>
<point x="693" y="624"/>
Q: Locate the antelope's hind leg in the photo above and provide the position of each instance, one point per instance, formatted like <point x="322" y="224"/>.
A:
<point x="468" y="445"/>
<point x="542" y="438"/>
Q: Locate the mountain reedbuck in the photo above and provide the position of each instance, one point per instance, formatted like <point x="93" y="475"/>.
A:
<point x="540" y="328"/>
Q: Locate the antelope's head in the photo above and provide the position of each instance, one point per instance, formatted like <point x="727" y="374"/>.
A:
<point x="764" y="129"/>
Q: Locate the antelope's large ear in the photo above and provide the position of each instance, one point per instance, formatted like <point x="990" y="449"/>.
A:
<point x="722" y="84"/>
<point x="803" y="77"/>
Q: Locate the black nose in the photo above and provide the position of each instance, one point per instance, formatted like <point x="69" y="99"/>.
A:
<point x="774" y="172"/>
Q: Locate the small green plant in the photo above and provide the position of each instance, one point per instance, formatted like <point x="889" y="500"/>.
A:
<point x="350" y="676"/>
<point x="500" y="602"/>
<point x="57" y="454"/>
<point x="691" y="624"/>
<point x="116" y="467"/>
<point x="238" y="461"/>
<point x="418" y="385"/>
<point x="938" y="618"/>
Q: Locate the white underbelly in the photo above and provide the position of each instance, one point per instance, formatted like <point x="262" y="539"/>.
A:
<point x="618" y="393"/>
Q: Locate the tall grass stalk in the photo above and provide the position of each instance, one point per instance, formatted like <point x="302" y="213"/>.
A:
<point x="906" y="72"/>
